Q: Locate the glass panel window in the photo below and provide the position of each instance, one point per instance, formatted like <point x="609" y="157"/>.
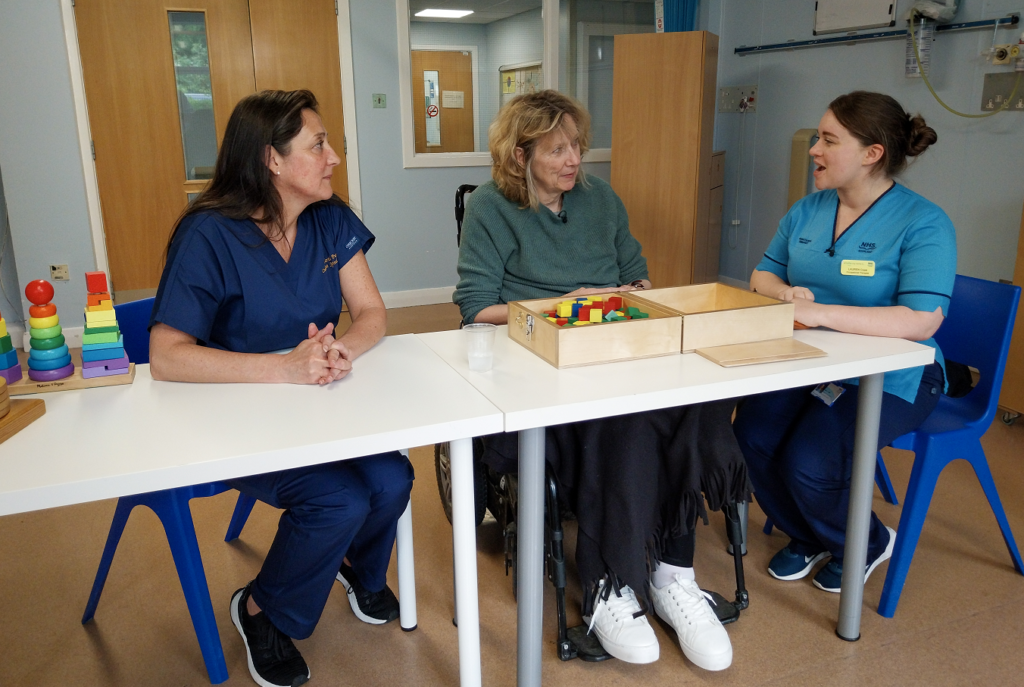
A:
<point x="195" y="93"/>
<point x="586" y="36"/>
<point x="481" y="60"/>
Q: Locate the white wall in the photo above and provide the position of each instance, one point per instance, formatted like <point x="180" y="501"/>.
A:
<point x="10" y="301"/>
<point x="968" y="172"/>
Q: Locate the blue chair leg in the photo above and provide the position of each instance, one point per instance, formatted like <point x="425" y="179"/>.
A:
<point x="242" y="509"/>
<point x="923" y="477"/>
<point x="984" y="473"/>
<point x="172" y="508"/>
<point x="121" y="513"/>
<point x="884" y="483"/>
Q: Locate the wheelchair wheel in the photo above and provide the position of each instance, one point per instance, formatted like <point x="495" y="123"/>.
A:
<point x="443" y="470"/>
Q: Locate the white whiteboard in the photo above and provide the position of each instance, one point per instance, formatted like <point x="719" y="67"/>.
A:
<point x="833" y="16"/>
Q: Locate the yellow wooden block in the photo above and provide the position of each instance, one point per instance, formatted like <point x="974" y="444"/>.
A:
<point x="564" y="309"/>
<point x="43" y="322"/>
<point x="550" y="319"/>
<point x="594" y="299"/>
<point x="100" y="316"/>
<point x="104" y="305"/>
<point x="596" y="315"/>
<point x="579" y="323"/>
<point x="3" y="327"/>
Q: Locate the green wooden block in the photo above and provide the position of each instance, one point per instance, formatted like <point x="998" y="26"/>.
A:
<point x="100" y="330"/>
<point x="104" y="337"/>
<point x="632" y="312"/>
<point x="640" y="315"/>
<point x="5" y="343"/>
<point x="573" y="320"/>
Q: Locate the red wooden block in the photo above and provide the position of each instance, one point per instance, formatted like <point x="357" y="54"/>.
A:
<point x="615" y="302"/>
<point x="96" y="298"/>
<point x="561" y="320"/>
<point x="606" y="307"/>
<point x="39" y="292"/>
<point x="96" y="282"/>
<point x="584" y="313"/>
<point x="551" y="313"/>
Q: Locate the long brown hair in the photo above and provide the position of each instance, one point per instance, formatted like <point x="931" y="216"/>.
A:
<point x="241" y="184"/>
<point x="877" y="118"/>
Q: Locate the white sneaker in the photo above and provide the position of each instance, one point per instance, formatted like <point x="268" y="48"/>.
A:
<point x="621" y="626"/>
<point x="686" y="608"/>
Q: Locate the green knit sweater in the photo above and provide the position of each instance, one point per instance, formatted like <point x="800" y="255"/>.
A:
<point x="509" y="254"/>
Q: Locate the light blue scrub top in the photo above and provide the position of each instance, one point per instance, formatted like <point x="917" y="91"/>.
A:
<point x="910" y="240"/>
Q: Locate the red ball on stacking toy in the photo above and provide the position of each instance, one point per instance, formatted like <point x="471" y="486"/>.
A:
<point x="39" y="292"/>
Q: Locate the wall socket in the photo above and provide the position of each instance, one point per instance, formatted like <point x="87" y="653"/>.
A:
<point x="997" y="89"/>
<point x="737" y="99"/>
<point x="60" y="273"/>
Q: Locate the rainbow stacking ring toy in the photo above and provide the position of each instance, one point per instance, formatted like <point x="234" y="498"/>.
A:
<point x="49" y="358"/>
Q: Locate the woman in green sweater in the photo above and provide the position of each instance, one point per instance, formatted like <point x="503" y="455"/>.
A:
<point x="636" y="483"/>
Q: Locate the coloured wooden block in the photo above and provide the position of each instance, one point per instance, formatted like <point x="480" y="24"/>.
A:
<point x="12" y="374"/>
<point x="103" y="305"/>
<point x="54" y="364"/>
<point x="8" y="359"/>
<point x="641" y="316"/>
<point x="595" y="315"/>
<point x="48" y="310"/>
<point x="550" y="319"/>
<point x="96" y="282"/>
<point x="576" y="309"/>
<point x="561" y="321"/>
<point x="579" y="323"/>
<point x="5" y="343"/>
<point x="594" y="299"/>
<point x="101" y="328"/>
<point x="51" y="375"/>
<point x="3" y="327"/>
<point x="584" y="312"/>
<point x="100" y="316"/>
<point x="111" y="364"/>
<point x="43" y="322"/>
<point x="119" y="343"/>
<point x="573" y="320"/>
<point x="52" y="354"/>
<point x="606" y="308"/>
<point x="102" y="372"/>
<point x="48" y="333"/>
<point x="47" y="344"/>
<point x="102" y="354"/>
<point x="100" y="338"/>
<point x="97" y="298"/>
<point x="632" y="311"/>
<point x="616" y="301"/>
<point x="564" y="309"/>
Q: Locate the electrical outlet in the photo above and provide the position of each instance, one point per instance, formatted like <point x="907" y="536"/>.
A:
<point x="737" y="99"/>
<point x="60" y="273"/>
<point x="997" y="89"/>
<point x="380" y="100"/>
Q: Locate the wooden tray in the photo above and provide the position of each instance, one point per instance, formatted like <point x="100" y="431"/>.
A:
<point x="771" y="351"/>
<point x="720" y="315"/>
<point x="75" y="381"/>
<point x="24" y="411"/>
<point x="658" y="334"/>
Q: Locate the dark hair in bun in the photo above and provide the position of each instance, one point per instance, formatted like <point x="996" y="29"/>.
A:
<point x="877" y="118"/>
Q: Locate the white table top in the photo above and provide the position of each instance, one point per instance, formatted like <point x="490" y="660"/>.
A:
<point x="533" y="393"/>
<point x="114" y="441"/>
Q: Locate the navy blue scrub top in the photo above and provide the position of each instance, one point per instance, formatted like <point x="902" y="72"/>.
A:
<point x="225" y="284"/>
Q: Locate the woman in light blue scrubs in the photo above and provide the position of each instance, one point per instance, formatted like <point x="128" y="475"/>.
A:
<point x="864" y="255"/>
<point x="257" y="264"/>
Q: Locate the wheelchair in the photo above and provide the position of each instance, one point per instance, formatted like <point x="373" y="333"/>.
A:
<point x="499" y="493"/>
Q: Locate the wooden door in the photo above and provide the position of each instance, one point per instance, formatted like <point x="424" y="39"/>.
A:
<point x="299" y="49"/>
<point x="454" y="102"/>
<point x="133" y="113"/>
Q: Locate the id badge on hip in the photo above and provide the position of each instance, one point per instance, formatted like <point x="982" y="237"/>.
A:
<point x="828" y="393"/>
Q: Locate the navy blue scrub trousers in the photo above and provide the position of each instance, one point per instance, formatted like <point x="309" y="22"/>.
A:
<point x="799" y="455"/>
<point x="348" y="508"/>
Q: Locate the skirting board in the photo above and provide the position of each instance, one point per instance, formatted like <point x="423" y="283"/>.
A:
<point x="407" y="299"/>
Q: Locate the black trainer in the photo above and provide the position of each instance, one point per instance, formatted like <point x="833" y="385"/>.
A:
<point x="375" y="608"/>
<point x="273" y="659"/>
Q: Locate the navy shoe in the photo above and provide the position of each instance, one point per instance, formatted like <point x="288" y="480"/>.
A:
<point x="786" y="565"/>
<point x="830" y="578"/>
<point x="376" y="608"/>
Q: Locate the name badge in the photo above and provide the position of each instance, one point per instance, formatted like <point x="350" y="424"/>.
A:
<point x="857" y="268"/>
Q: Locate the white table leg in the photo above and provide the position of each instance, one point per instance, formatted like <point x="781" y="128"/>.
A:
<point x="406" y="571"/>
<point x="858" y="523"/>
<point x="467" y="611"/>
<point x="530" y="552"/>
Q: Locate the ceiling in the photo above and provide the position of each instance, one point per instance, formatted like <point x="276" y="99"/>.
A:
<point x="484" y="11"/>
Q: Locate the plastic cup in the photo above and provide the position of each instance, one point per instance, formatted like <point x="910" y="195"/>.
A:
<point x="480" y="345"/>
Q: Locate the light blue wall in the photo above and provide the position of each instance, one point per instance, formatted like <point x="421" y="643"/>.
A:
<point x="517" y="39"/>
<point x="44" y="184"/>
<point x="968" y="172"/>
<point x="10" y="301"/>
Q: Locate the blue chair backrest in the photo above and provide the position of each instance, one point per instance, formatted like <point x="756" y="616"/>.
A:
<point x="977" y="332"/>
<point x="133" y="320"/>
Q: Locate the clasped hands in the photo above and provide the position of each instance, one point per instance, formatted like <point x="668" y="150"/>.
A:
<point x="320" y="359"/>
<point x="805" y="311"/>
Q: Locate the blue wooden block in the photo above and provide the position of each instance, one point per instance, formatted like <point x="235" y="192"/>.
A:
<point x="51" y="354"/>
<point x="102" y="354"/>
<point x="8" y="359"/>
<point x="54" y="364"/>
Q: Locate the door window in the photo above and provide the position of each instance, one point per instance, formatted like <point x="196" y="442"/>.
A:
<point x="195" y="93"/>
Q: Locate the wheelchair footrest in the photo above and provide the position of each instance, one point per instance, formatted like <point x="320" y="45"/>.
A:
<point x="726" y="610"/>
<point x="582" y="645"/>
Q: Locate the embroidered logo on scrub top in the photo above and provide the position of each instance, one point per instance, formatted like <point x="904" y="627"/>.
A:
<point x="804" y="241"/>
<point x="866" y="247"/>
<point x="352" y="241"/>
<point x="329" y="262"/>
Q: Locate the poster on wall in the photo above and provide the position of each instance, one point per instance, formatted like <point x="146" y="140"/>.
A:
<point x="432" y="97"/>
<point x="834" y="16"/>
<point x="517" y="79"/>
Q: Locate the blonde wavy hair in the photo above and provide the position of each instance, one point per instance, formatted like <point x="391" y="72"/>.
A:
<point x="521" y="123"/>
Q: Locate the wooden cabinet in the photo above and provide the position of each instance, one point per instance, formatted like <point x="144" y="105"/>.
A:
<point x="663" y="116"/>
<point x="1012" y="396"/>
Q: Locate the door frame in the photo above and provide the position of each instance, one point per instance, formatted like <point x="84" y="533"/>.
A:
<point x="474" y="58"/>
<point x="92" y="192"/>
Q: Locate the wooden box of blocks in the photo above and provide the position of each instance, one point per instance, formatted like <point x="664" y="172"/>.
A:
<point x="721" y="315"/>
<point x="614" y="326"/>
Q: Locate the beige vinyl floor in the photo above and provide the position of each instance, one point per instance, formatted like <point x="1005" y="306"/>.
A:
<point x="960" y="620"/>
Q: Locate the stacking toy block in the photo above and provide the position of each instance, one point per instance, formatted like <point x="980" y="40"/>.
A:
<point x="583" y="313"/>
<point x="616" y="302"/>
<point x="46" y="344"/>
<point x="104" y="305"/>
<point x="100" y="338"/>
<point x="96" y="298"/>
<point x="95" y="282"/>
<point x="595" y="315"/>
<point x="112" y="364"/>
<point x="116" y="343"/>
<point x="5" y="344"/>
<point x="8" y="360"/>
<point x="43" y="322"/>
<point x="561" y="321"/>
<point x="48" y="333"/>
<point x="54" y="364"/>
<point x="100" y="316"/>
<point x="48" y="310"/>
<point x="551" y="319"/>
<point x="12" y="374"/>
<point x="52" y="354"/>
<point x="39" y="292"/>
<point x="579" y="323"/>
<point x="3" y="327"/>
<point x="102" y="354"/>
<point x="101" y="328"/>
<point x="564" y="309"/>
<point x="51" y="375"/>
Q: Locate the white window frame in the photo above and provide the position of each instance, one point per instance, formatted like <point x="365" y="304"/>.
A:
<point x="584" y="30"/>
<point x="473" y="51"/>
<point x="412" y="159"/>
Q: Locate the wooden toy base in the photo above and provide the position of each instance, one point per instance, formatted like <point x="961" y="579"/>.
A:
<point x="75" y="381"/>
<point x="24" y="411"/>
<point x="770" y="351"/>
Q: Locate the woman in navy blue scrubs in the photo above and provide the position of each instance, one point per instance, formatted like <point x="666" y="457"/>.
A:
<point x="865" y="255"/>
<point x="259" y="263"/>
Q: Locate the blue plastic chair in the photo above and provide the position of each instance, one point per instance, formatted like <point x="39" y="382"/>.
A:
<point x="171" y="506"/>
<point x="976" y="332"/>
